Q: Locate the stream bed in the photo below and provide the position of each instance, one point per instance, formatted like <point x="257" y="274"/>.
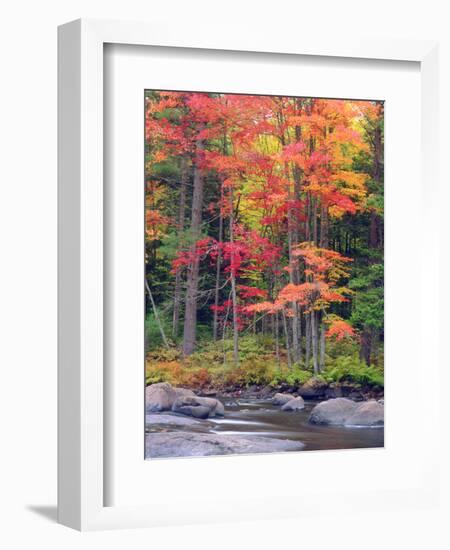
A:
<point x="258" y="418"/>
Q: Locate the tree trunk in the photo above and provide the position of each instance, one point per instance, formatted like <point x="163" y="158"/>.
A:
<point x="233" y="285"/>
<point x="308" y="218"/>
<point x="314" y="213"/>
<point x="324" y="227"/>
<point x="296" y="351"/>
<point x="286" y="335"/>
<point x="275" y="332"/>
<point x="190" y="315"/>
<point x="307" y="339"/>
<point x="315" y="342"/>
<point x="292" y="237"/>
<point x="178" y="277"/>
<point x="366" y="346"/>
<point x="322" y="346"/>
<point x="374" y="232"/>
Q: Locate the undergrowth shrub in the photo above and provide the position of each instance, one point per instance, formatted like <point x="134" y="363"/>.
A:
<point x="212" y="365"/>
<point x="352" y="369"/>
<point x="295" y="376"/>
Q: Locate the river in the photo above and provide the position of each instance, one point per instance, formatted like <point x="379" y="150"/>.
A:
<point x="257" y="417"/>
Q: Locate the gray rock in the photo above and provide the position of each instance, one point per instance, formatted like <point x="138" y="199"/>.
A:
<point x="282" y="398"/>
<point x="296" y="404"/>
<point x="170" y="419"/>
<point x="200" y="407"/>
<point x="333" y="412"/>
<point x="161" y="397"/>
<point x="381" y="401"/>
<point x="369" y="413"/>
<point x="177" y="444"/>
<point x="219" y="409"/>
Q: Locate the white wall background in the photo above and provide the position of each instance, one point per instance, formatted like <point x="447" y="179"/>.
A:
<point x="28" y="269"/>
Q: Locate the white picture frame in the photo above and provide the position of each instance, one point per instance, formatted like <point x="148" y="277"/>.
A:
<point x="81" y="403"/>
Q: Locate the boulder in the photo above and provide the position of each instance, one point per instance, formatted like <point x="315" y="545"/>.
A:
<point x="177" y="444"/>
<point x="296" y="404"/>
<point x="333" y="412"/>
<point x="314" y="388"/>
<point x="282" y="398"/>
<point x="199" y="407"/>
<point x="161" y="397"/>
<point x="184" y="392"/>
<point x="370" y="413"/>
<point x="214" y="405"/>
<point x="220" y="409"/>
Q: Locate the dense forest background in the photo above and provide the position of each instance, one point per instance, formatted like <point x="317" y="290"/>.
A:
<point x="264" y="239"/>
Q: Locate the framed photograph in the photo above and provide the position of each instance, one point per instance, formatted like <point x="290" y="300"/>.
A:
<point x="236" y="322"/>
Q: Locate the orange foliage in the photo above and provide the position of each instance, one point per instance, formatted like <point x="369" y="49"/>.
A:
<point x="340" y="329"/>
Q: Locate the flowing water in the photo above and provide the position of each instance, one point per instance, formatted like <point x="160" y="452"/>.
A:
<point x="260" y="417"/>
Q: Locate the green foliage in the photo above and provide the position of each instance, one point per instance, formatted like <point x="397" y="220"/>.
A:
<point x="340" y="348"/>
<point x="294" y="377"/>
<point x="255" y="371"/>
<point x="153" y="338"/>
<point x="156" y="375"/>
<point x="213" y="366"/>
<point x="368" y="301"/>
<point x="352" y="369"/>
<point x="164" y="355"/>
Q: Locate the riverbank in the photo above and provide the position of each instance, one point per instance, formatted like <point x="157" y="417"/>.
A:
<point x="314" y="389"/>
<point x="211" y="371"/>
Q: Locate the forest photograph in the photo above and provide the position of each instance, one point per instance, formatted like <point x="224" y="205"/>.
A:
<point x="264" y="274"/>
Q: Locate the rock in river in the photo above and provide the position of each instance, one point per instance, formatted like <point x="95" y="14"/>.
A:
<point x="199" y="407"/>
<point x="175" y="444"/>
<point x="296" y="404"/>
<point x="333" y="412"/>
<point x="345" y="412"/>
<point x="161" y="397"/>
<point x="282" y="398"/>
<point x="369" y="413"/>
